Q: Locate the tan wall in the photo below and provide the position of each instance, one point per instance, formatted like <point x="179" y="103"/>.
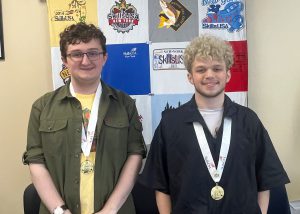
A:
<point x="274" y="75"/>
<point x="25" y="75"/>
<point x="274" y="89"/>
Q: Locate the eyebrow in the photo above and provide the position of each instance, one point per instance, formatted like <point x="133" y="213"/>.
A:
<point x="201" y="66"/>
<point x="90" y="49"/>
<point x="218" y="65"/>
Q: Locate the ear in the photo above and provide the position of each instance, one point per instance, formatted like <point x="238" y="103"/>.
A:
<point x="105" y="57"/>
<point x="228" y="76"/>
<point x="64" y="60"/>
<point x="190" y="78"/>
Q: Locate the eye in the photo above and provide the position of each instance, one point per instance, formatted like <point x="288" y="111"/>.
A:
<point x="76" y="54"/>
<point x="93" y="53"/>
<point x="201" y="70"/>
<point x="218" y="69"/>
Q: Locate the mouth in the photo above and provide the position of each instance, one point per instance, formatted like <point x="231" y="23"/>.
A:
<point x="211" y="84"/>
<point x="86" y="68"/>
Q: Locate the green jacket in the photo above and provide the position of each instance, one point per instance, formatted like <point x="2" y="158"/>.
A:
<point x="54" y="139"/>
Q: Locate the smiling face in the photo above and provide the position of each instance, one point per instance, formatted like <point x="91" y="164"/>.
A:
<point x="86" y="71"/>
<point x="209" y="78"/>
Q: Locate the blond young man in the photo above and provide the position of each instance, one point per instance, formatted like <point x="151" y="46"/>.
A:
<point x="211" y="155"/>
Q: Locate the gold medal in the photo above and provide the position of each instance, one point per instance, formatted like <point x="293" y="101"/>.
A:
<point x="217" y="192"/>
<point x="87" y="167"/>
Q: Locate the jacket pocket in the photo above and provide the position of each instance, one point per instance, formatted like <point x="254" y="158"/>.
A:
<point x="116" y="122"/>
<point x="54" y="136"/>
<point x="115" y="133"/>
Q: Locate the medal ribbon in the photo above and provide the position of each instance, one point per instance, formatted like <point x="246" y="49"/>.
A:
<point x="87" y="138"/>
<point x="216" y="174"/>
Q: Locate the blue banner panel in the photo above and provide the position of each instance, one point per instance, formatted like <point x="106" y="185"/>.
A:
<point x="128" y="68"/>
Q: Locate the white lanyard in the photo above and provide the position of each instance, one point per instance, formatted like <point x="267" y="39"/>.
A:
<point x="87" y="139"/>
<point x="214" y="173"/>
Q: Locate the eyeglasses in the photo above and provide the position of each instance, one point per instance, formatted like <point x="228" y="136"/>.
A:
<point x="91" y="55"/>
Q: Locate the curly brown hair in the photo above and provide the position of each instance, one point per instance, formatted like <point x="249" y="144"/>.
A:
<point x="80" y="32"/>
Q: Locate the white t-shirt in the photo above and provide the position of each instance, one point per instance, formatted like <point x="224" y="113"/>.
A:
<point x="213" y="119"/>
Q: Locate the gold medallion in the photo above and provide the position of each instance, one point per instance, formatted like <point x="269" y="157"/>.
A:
<point x="87" y="167"/>
<point x="217" y="192"/>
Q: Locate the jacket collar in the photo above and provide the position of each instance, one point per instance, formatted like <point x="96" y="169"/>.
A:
<point x="192" y="112"/>
<point x="66" y="94"/>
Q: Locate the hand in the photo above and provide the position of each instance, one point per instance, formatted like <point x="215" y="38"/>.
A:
<point x="67" y="212"/>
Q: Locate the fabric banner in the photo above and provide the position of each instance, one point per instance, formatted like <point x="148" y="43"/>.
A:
<point x="131" y="73"/>
<point x="147" y="40"/>
<point x="65" y="12"/>
<point x="124" y="22"/>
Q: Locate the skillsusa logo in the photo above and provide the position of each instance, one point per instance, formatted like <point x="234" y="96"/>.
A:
<point x="130" y="54"/>
<point x="168" y="59"/>
<point x="123" y="17"/>
<point x="173" y="14"/>
<point x="76" y="12"/>
<point x="229" y="17"/>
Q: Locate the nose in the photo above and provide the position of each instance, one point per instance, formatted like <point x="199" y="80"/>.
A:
<point x="209" y="73"/>
<point x="85" y="59"/>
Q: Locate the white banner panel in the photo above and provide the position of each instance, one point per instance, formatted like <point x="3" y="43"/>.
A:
<point x="143" y="104"/>
<point x="167" y="72"/>
<point x="124" y="21"/>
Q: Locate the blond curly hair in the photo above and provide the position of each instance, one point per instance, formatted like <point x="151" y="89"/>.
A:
<point x="208" y="47"/>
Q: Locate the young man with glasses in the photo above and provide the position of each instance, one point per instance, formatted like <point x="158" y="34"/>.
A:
<point x="85" y="143"/>
<point x="211" y="155"/>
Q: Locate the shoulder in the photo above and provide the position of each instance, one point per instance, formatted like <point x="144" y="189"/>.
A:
<point x="232" y="108"/>
<point x="245" y="117"/>
<point x="246" y="112"/>
<point x="51" y="96"/>
<point x="118" y="99"/>
<point x="117" y="95"/>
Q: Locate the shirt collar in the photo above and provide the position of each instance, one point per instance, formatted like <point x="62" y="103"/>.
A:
<point x="66" y="94"/>
<point x="230" y="108"/>
<point x="65" y="91"/>
<point x="192" y="113"/>
<point x="106" y="90"/>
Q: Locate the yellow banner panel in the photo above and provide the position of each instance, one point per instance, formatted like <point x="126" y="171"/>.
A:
<point x="62" y="13"/>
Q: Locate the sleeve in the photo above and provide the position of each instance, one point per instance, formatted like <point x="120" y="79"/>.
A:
<point x="34" y="151"/>
<point x="136" y="143"/>
<point x="155" y="173"/>
<point x="269" y="170"/>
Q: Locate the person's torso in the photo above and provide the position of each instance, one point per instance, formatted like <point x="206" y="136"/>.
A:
<point x="190" y="181"/>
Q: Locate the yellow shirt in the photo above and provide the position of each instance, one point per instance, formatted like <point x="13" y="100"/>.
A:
<point x="87" y="180"/>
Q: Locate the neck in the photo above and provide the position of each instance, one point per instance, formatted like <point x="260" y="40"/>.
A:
<point x="85" y="88"/>
<point x="210" y="102"/>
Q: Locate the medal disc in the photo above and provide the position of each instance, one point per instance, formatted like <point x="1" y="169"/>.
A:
<point x="87" y="167"/>
<point x="217" y="192"/>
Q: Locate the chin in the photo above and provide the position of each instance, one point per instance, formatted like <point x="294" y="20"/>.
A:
<point x="210" y="94"/>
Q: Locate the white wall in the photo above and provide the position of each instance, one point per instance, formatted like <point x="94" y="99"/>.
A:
<point x="274" y="89"/>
